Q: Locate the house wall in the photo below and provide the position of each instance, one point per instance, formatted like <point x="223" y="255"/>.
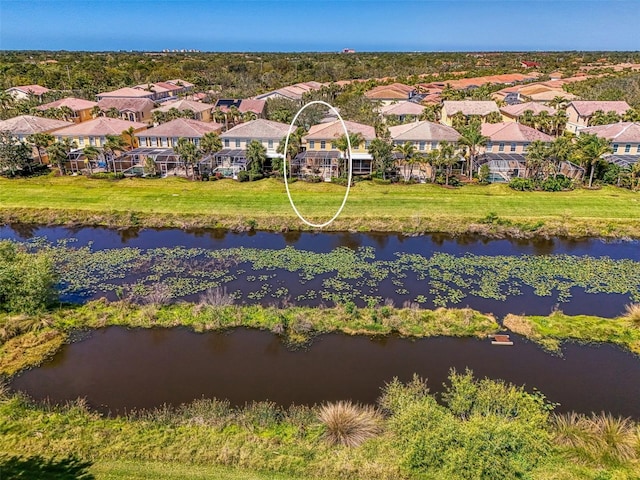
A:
<point x="505" y="147"/>
<point x="508" y="118"/>
<point x="241" y="143"/>
<point x="626" y="148"/>
<point x="164" y="142"/>
<point x="329" y="144"/>
<point x="421" y="145"/>
<point x="575" y="121"/>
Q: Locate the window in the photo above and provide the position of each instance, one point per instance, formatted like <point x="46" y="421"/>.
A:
<point x="525" y="146"/>
<point x="421" y="146"/>
<point x="638" y="149"/>
<point x="312" y="144"/>
<point x="513" y="147"/>
<point x="501" y="147"/>
<point x="102" y="140"/>
<point x="323" y="144"/>
<point x="237" y="143"/>
<point x="270" y="144"/>
<point x="627" y="148"/>
<point x="333" y="146"/>
<point x="615" y="148"/>
<point x="92" y="140"/>
<point x="196" y="142"/>
<point x="226" y="142"/>
<point x="165" y="142"/>
<point x="367" y="144"/>
<point x="434" y="145"/>
<point x="489" y="146"/>
<point x="81" y="141"/>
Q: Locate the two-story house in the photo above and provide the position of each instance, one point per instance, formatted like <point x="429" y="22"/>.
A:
<point x="579" y="112"/>
<point x="624" y="138"/>
<point x="81" y="108"/>
<point x="468" y="108"/>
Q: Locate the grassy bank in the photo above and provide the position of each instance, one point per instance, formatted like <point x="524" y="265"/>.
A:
<point x="28" y="340"/>
<point x="491" y="210"/>
<point x="549" y="331"/>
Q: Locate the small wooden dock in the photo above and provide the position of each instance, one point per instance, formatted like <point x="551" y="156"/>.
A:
<point x="500" y="339"/>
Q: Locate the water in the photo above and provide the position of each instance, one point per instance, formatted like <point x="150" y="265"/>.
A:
<point x="117" y="369"/>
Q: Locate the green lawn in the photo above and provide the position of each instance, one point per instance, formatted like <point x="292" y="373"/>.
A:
<point x="264" y="205"/>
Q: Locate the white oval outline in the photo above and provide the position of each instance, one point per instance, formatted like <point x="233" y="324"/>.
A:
<point x="286" y="182"/>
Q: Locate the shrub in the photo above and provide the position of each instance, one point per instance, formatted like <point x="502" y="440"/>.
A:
<point x="216" y="297"/>
<point x="243" y="176"/>
<point x="313" y="179"/>
<point x="556" y="184"/>
<point x="522" y="184"/>
<point x="633" y="313"/>
<point x="349" y="424"/>
<point x="253" y="177"/>
<point x="381" y="181"/>
<point x="107" y="176"/>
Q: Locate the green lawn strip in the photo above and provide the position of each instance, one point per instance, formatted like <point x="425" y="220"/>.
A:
<point x="30" y="340"/>
<point x="264" y="205"/>
<point x="551" y="330"/>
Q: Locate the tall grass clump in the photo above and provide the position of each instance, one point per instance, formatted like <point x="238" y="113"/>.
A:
<point x="633" y="313"/>
<point x="216" y="297"/>
<point x="349" y="424"/>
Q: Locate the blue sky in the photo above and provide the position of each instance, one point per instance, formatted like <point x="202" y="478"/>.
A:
<point x="257" y="25"/>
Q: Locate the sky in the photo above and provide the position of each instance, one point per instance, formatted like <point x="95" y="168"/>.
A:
<point x="305" y="25"/>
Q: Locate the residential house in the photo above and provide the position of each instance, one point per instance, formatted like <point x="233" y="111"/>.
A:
<point x="159" y="92"/>
<point x="322" y="157"/>
<point x="201" y="111"/>
<point x="388" y="94"/>
<point x="580" y="112"/>
<point x="402" y="111"/>
<point x="94" y="132"/>
<point x="184" y="86"/>
<point x="167" y="134"/>
<point x="245" y="105"/>
<point x="528" y="64"/>
<point x="81" y="108"/>
<point x="468" y="108"/>
<point x="542" y="93"/>
<point x="512" y="113"/>
<point x="291" y="92"/>
<point x="232" y="158"/>
<point x="24" y="125"/>
<point x="23" y="92"/>
<point x="425" y="137"/>
<point x="505" y="152"/>
<point x="624" y="138"/>
<point x="130" y="109"/>
<point x="126" y="92"/>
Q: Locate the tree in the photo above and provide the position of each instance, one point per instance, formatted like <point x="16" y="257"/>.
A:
<point x="40" y="141"/>
<point x="293" y="148"/>
<point x="158" y="117"/>
<point x="471" y="139"/>
<point x="91" y="153"/>
<point x="537" y="156"/>
<point x="589" y="150"/>
<point x="113" y="112"/>
<point x="149" y="167"/>
<point x="189" y="154"/>
<point x="14" y="155"/>
<point x="356" y="139"/>
<point x="256" y="156"/>
<point x="129" y="138"/>
<point x="219" y="116"/>
<point x="494" y="117"/>
<point x="382" y="152"/>
<point x="558" y="102"/>
<point x="448" y="156"/>
<point x="631" y="115"/>
<point x="7" y="102"/>
<point x="560" y="150"/>
<point x="431" y="113"/>
<point x="96" y="111"/>
<point x="59" y="151"/>
<point x="458" y="121"/>
<point x="559" y="122"/>
<point x="543" y="121"/>
<point x="210" y="143"/>
<point x="527" y="118"/>
<point x="113" y="145"/>
<point x="635" y="176"/>
<point x="408" y="153"/>
<point x="66" y="113"/>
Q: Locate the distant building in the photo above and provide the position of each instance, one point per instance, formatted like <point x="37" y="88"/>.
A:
<point x="526" y="64"/>
<point x="23" y="92"/>
<point x="581" y="111"/>
<point x="468" y="108"/>
<point x="81" y="108"/>
<point x="348" y="50"/>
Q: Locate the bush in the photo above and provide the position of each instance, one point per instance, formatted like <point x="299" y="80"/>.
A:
<point x="349" y="424"/>
<point x="556" y="184"/>
<point x="380" y="181"/>
<point x="243" y="176"/>
<point x="313" y="179"/>
<point x="255" y="177"/>
<point x="107" y="176"/>
<point x="522" y="184"/>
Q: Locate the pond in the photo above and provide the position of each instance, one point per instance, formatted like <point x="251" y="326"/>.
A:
<point x="588" y="276"/>
<point x="118" y="369"/>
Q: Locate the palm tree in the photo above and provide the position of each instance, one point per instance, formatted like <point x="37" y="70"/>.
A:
<point x="635" y="176"/>
<point x="527" y="118"/>
<point x="458" y="121"/>
<point x="356" y="139"/>
<point x="40" y="141"/>
<point x="7" y="102"/>
<point x="59" y="151"/>
<point x="543" y="121"/>
<point x="589" y="151"/>
<point x="559" y="122"/>
<point x="91" y="153"/>
<point x="113" y="112"/>
<point x="66" y="113"/>
<point x="560" y="150"/>
<point x="210" y="143"/>
<point x="234" y="114"/>
<point x="256" y="156"/>
<point x="558" y="102"/>
<point x="158" y="117"/>
<point x="537" y="156"/>
<point x="611" y="117"/>
<point x="493" y="117"/>
<point x="631" y="115"/>
<point x="408" y="153"/>
<point x="96" y="111"/>
<point x="248" y="116"/>
<point x="432" y="158"/>
<point x="219" y="116"/>
<point x="293" y="148"/>
<point x="189" y="154"/>
<point x="471" y="139"/>
<point x="431" y="113"/>
<point x="597" y="118"/>
<point x="448" y="157"/>
<point x="114" y="144"/>
<point x="382" y="152"/>
<point x="129" y="138"/>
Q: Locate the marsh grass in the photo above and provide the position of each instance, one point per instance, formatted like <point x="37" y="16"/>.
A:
<point x="633" y="313"/>
<point x="349" y="424"/>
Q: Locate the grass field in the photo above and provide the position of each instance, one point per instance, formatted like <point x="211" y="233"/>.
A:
<point x="494" y="209"/>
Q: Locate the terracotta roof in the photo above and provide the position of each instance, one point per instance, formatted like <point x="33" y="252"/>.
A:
<point x="402" y="108"/>
<point x="258" y="129"/>
<point x="588" y="108"/>
<point x="154" y="87"/>
<point x="252" y="105"/>
<point x="548" y="95"/>
<point x="35" y="89"/>
<point x="424" y="131"/>
<point x="327" y="131"/>
<point x="470" y="107"/>
<point x="100" y="127"/>
<point x="179" y="82"/>
<point x="184" y="105"/>
<point x="293" y="92"/>
<point x="520" y="108"/>
<point x="75" y="104"/>
<point x="28" y="124"/>
<point x="126" y="92"/>
<point x="513" y="132"/>
<point x="397" y="91"/>
<point x="620" y="132"/>
<point x="126" y="104"/>
<point x="168" y="86"/>
<point x="182" y="127"/>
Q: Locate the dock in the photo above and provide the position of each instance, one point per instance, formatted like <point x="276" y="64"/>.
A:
<point x="500" y="339"/>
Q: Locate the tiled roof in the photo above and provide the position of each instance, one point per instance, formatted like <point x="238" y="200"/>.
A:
<point x="548" y="95"/>
<point x="327" y="131"/>
<point x="424" y="131"/>
<point x="252" y="105"/>
<point x="35" y="89"/>
<point x="470" y="107"/>
<point x="179" y="82"/>
<point x="397" y="91"/>
<point x="184" y="105"/>
<point x="293" y="92"/>
<point x="154" y="87"/>
<point x="128" y="104"/>
<point x="620" y="132"/>
<point x="28" y="124"/>
<point x="99" y="127"/>
<point x="520" y="108"/>
<point x="75" y="104"/>
<point x="168" y="86"/>
<point x="182" y="127"/>
<point x="588" y="108"/>
<point x="402" y="108"/>
<point x="513" y="132"/>
<point x="127" y="92"/>
<point x="256" y="129"/>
